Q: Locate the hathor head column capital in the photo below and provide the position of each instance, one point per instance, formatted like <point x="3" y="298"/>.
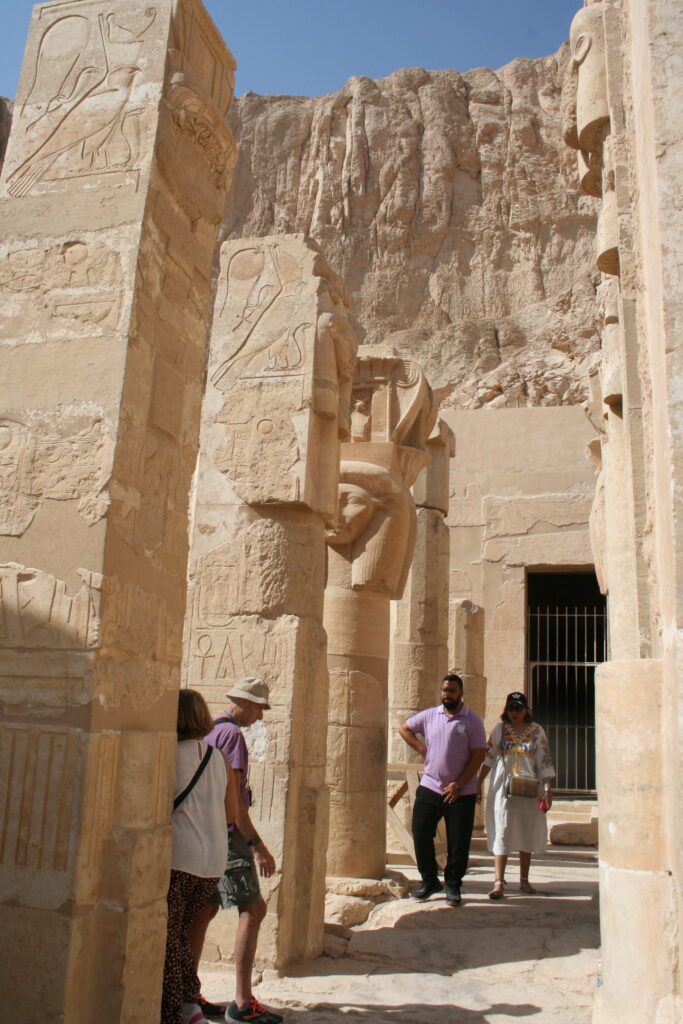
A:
<point x="370" y="549"/>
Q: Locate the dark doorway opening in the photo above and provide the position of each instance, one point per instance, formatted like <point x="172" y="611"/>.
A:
<point x="566" y="639"/>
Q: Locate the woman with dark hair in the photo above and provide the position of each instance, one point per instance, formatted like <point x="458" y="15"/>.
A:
<point x="518" y="757"/>
<point x="205" y="799"/>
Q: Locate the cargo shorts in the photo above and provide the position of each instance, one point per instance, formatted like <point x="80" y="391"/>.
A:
<point x="239" y="885"/>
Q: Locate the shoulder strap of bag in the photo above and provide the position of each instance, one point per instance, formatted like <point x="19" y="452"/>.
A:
<point x="194" y="780"/>
<point x="224" y="719"/>
<point x="502" y="748"/>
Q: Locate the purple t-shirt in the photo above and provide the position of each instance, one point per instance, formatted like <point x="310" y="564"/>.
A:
<point x="450" y="741"/>
<point x="227" y="737"/>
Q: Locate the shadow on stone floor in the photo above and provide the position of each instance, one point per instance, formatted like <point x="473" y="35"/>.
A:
<point x="470" y="936"/>
<point x="411" y="1013"/>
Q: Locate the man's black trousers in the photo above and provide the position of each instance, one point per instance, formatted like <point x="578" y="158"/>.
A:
<point x="428" y="810"/>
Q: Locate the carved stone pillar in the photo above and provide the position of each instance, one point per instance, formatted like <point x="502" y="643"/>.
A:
<point x="625" y="105"/>
<point x="370" y="551"/>
<point x="276" y="405"/>
<point x="419" y="644"/>
<point x="594" y="125"/>
<point x="111" y="195"/>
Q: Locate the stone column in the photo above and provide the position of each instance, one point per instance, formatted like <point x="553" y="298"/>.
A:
<point x="276" y="405"/>
<point x="419" y="644"/>
<point x="593" y="124"/>
<point x="370" y="551"/>
<point x="111" y="196"/>
<point x="626" y="105"/>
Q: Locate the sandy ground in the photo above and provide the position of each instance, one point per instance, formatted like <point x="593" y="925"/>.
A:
<point x="525" y="958"/>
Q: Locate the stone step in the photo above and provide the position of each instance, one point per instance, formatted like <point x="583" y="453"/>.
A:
<point x="573" y="823"/>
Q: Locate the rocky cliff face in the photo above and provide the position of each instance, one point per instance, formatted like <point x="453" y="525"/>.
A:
<point x="449" y="205"/>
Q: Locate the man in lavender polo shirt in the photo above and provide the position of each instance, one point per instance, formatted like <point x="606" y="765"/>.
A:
<point x="454" y="747"/>
<point x="247" y="857"/>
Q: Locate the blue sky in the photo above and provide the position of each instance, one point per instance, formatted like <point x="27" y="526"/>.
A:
<point x="310" y="47"/>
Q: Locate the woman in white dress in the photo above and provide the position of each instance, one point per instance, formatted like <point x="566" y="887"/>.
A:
<point x="518" y="747"/>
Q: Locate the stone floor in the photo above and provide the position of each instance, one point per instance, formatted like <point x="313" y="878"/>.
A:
<point x="525" y="958"/>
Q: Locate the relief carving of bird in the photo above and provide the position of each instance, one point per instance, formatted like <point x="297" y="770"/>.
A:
<point x="87" y="126"/>
<point x="267" y="332"/>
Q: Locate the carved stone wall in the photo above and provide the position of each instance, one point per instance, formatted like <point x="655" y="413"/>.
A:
<point x="110" y="202"/>
<point x="276" y="408"/>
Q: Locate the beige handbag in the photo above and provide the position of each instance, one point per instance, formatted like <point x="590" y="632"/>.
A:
<point x="521" y="785"/>
<point x="518" y="785"/>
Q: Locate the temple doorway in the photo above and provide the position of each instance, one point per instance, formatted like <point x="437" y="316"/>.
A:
<point x="566" y="639"/>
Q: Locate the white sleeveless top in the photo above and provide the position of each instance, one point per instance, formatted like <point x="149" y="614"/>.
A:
<point x="200" y="835"/>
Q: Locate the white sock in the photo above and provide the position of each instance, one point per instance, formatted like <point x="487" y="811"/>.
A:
<point x="192" y="1014"/>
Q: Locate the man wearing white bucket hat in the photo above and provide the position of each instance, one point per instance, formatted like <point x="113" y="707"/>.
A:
<point x="248" y="855"/>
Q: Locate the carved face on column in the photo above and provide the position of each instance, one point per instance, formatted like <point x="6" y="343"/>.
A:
<point x="587" y="41"/>
<point x="356" y="508"/>
<point x="375" y="528"/>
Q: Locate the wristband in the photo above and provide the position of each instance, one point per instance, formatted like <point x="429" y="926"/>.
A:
<point x="255" y="840"/>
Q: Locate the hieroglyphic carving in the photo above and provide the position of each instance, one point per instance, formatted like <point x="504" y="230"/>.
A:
<point x="206" y="58"/>
<point x="268" y="569"/>
<point x="280" y="372"/>
<point x="199" y="89"/>
<point x="267" y="766"/>
<point x="51" y="455"/>
<point x="63" y="292"/>
<point x="76" y="120"/>
<point x="261" y="433"/>
<point x="219" y="655"/>
<point x="36" y="609"/>
<point x="261" y="312"/>
<point x="36" y="810"/>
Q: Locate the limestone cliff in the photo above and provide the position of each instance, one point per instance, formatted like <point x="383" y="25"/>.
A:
<point x="449" y="205"/>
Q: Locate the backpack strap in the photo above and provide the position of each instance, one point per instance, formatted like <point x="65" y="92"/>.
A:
<point x="194" y="780"/>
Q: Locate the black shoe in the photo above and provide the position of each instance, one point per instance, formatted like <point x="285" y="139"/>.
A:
<point x="453" y="897"/>
<point x="254" y="1013"/>
<point x="427" y="889"/>
<point x="210" y="1009"/>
